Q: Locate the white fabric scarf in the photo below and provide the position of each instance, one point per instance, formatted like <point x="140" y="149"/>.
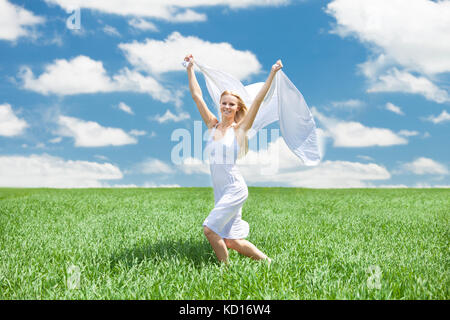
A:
<point x="283" y="102"/>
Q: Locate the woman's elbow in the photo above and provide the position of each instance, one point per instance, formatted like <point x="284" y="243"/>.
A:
<point x="197" y="96"/>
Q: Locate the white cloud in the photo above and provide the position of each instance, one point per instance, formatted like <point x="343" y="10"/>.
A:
<point x="426" y="185"/>
<point x="443" y="117"/>
<point x="79" y="75"/>
<point x="413" y="35"/>
<point x="402" y="81"/>
<point x="145" y="185"/>
<point x="15" y="21"/>
<point x="396" y="109"/>
<point x="92" y="134"/>
<point x="101" y="157"/>
<point x="188" y="16"/>
<point x="408" y="133"/>
<point x="110" y="30"/>
<point x="138" y="132"/>
<point x="126" y="108"/>
<point x="152" y="165"/>
<point x="156" y="56"/>
<point x="352" y="103"/>
<point x="54" y="172"/>
<point x="82" y="75"/>
<point x="55" y="140"/>
<point x="10" y="124"/>
<point x="355" y="134"/>
<point x="424" y="165"/>
<point x="142" y="24"/>
<point x="390" y="186"/>
<point x="193" y="165"/>
<point x="365" y="157"/>
<point x="170" y="10"/>
<point x="169" y="116"/>
<point x="372" y="68"/>
<point x="154" y="185"/>
<point x="278" y="165"/>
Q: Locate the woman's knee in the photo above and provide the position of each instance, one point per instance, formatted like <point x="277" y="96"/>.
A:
<point x="208" y="232"/>
<point x="232" y="243"/>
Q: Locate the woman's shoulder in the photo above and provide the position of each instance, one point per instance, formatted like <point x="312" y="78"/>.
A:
<point x="213" y="125"/>
<point x="211" y="129"/>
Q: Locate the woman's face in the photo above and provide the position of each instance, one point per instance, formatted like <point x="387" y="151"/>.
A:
<point x="229" y="106"/>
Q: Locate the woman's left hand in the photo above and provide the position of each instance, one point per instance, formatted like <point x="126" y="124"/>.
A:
<point x="277" y="66"/>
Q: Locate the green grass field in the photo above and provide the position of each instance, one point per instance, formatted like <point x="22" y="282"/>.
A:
<point x="149" y="244"/>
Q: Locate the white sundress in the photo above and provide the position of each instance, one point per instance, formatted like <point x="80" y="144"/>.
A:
<point x="230" y="189"/>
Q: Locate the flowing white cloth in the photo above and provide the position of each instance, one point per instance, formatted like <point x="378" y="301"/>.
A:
<point x="283" y="102"/>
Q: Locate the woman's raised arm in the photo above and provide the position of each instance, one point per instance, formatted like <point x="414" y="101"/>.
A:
<point x="208" y="117"/>
<point x="247" y="122"/>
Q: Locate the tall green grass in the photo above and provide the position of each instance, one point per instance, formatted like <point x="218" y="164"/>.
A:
<point x="149" y="244"/>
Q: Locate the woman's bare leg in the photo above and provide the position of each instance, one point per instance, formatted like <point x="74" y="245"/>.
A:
<point x="246" y="248"/>
<point x="217" y="243"/>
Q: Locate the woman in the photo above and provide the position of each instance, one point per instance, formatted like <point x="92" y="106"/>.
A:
<point x="224" y="227"/>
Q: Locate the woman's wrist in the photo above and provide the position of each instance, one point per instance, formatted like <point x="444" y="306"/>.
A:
<point x="273" y="73"/>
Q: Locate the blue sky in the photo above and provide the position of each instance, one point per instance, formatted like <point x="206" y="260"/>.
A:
<point x="96" y="106"/>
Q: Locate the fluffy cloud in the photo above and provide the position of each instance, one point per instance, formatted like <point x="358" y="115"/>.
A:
<point x="82" y="75"/>
<point x="110" y="30"/>
<point x="15" y="21"/>
<point x="408" y="133"/>
<point x="402" y="81"/>
<point x="193" y="165"/>
<point x="152" y="165"/>
<point x="125" y="108"/>
<point x="279" y="166"/>
<point x="169" y="10"/>
<point x="142" y="24"/>
<point x="396" y="109"/>
<point x="10" y="124"/>
<point x="155" y="166"/>
<point x="160" y="56"/>
<point x="92" y="134"/>
<point x="169" y="116"/>
<point x="54" y="172"/>
<point x="411" y="34"/>
<point x="138" y="132"/>
<point x="443" y="117"/>
<point x="424" y="165"/>
<point x="355" y="134"/>
<point x="154" y="185"/>
<point x="348" y="104"/>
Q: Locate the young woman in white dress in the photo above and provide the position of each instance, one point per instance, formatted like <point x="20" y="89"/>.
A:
<point x="224" y="227"/>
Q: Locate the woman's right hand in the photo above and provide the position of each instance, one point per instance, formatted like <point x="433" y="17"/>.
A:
<point x="189" y="58"/>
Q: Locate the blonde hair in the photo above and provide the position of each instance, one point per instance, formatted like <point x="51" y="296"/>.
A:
<point x="240" y="114"/>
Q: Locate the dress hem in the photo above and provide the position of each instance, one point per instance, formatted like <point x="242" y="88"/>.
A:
<point x="221" y="234"/>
